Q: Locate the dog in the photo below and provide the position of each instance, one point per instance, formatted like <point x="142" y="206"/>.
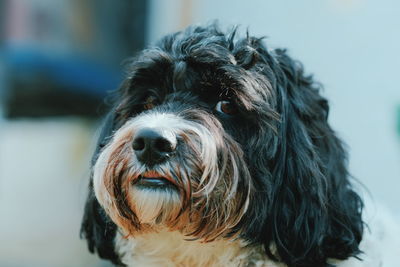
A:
<point x="217" y="152"/>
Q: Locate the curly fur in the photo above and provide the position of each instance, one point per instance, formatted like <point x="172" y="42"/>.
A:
<point x="273" y="175"/>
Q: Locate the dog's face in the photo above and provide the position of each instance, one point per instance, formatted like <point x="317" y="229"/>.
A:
<point x="174" y="165"/>
<point x="179" y="159"/>
<point x="218" y="138"/>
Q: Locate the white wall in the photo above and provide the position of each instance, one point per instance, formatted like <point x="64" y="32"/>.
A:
<point x="352" y="47"/>
<point x="44" y="171"/>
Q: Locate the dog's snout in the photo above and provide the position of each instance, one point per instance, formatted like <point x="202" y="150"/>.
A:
<point x="151" y="146"/>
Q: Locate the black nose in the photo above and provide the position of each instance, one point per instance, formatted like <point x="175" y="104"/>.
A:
<point x="151" y="147"/>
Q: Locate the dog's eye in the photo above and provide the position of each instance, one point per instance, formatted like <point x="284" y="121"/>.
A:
<point x="150" y="102"/>
<point x="226" y="107"/>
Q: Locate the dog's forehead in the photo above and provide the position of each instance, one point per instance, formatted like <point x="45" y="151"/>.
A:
<point x="164" y="74"/>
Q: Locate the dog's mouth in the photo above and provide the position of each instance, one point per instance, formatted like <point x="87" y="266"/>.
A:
<point x="154" y="180"/>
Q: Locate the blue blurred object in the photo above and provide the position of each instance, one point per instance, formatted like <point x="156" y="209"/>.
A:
<point x="75" y="73"/>
<point x="62" y="58"/>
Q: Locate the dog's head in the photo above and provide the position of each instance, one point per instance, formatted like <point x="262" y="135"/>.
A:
<point x="218" y="137"/>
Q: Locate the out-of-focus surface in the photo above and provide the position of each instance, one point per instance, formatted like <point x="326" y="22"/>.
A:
<point x="59" y="58"/>
<point x="43" y="170"/>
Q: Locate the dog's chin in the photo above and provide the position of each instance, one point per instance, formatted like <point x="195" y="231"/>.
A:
<point x="155" y="199"/>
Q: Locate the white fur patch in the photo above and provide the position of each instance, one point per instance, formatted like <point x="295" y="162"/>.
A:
<point x="381" y="239"/>
<point x="171" y="249"/>
<point x="152" y="205"/>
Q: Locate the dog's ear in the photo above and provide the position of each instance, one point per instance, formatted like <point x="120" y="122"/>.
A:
<point x="314" y="214"/>
<point x="97" y="228"/>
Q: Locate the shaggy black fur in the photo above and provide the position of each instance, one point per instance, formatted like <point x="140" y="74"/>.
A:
<point x="303" y="209"/>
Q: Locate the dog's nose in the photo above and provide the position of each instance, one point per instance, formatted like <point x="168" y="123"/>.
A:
<point x="152" y="147"/>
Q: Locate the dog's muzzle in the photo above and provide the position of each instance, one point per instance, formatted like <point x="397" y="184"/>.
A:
<point x="177" y="171"/>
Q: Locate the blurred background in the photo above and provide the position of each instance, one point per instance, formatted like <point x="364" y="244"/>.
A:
<point x="60" y="58"/>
